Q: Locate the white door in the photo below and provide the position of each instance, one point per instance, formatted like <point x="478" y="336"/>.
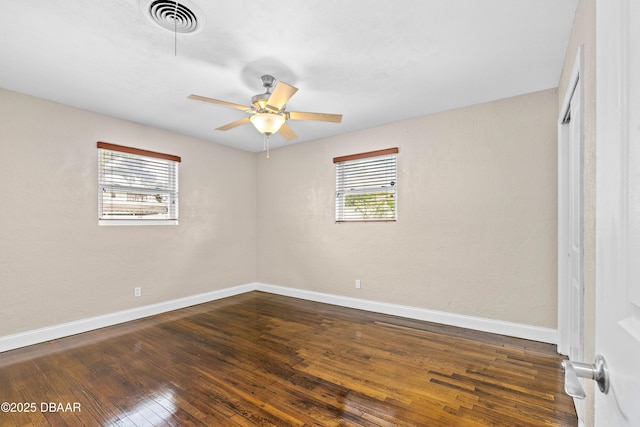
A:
<point x="618" y="209"/>
<point x="570" y="223"/>
<point x="575" y="234"/>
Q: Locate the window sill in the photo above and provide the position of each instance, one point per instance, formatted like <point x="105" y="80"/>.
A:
<point x="346" y="221"/>
<point x="117" y="222"/>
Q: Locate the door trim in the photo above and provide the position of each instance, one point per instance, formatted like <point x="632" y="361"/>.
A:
<point x="575" y="84"/>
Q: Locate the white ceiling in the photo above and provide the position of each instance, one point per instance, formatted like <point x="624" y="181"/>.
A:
<point x="373" y="61"/>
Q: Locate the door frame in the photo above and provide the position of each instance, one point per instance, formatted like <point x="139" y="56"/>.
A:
<point x="575" y="84"/>
<point x="574" y="88"/>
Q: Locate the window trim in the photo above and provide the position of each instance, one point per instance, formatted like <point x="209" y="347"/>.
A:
<point x="358" y="156"/>
<point x="139" y="152"/>
<point x="369" y="154"/>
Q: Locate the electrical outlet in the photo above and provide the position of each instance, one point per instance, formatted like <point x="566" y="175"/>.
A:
<point x="137" y="292"/>
<point x="357" y="283"/>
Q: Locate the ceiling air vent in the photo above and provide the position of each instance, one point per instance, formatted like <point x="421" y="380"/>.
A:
<point x="173" y="16"/>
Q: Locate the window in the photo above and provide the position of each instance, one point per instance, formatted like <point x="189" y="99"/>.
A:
<point x="366" y="186"/>
<point x="136" y="186"/>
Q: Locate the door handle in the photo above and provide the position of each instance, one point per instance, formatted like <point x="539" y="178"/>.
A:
<point x="597" y="371"/>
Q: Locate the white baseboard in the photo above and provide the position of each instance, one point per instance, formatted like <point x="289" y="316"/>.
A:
<point x="35" y="336"/>
<point x="23" y="339"/>
<point x="500" y="327"/>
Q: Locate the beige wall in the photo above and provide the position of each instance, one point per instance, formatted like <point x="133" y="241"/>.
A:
<point x="58" y="265"/>
<point x="476" y="233"/>
<point x="584" y="34"/>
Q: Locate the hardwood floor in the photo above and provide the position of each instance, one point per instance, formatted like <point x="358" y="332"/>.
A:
<point x="267" y="360"/>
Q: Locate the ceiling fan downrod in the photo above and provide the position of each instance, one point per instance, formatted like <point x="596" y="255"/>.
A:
<point x="260" y="100"/>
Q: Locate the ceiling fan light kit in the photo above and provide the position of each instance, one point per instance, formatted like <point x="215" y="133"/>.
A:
<point x="267" y="110"/>
<point x="267" y="123"/>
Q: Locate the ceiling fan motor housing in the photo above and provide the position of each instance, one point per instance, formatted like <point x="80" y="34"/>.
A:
<point x="260" y="101"/>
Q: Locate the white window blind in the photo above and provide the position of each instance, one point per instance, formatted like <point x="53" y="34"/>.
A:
<point x="366" y="186"/>
<point x="136" y="184"/>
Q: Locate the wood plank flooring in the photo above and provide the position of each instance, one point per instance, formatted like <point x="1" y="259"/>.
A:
<point x="267" y="360"/>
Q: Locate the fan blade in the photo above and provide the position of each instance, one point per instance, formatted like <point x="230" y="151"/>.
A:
<point x="217" y="101"/>
<point x="287" y="132"/>
<point x="321" y="117"/>
<point x="281" y="94"/>
<point x="234" y="124"/>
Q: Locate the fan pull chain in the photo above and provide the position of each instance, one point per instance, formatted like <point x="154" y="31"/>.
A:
<point x="267" y="146"/>
<point x="265" y="143"/>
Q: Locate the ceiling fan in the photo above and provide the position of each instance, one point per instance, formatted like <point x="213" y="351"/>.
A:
<point x="267" y="110"/>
